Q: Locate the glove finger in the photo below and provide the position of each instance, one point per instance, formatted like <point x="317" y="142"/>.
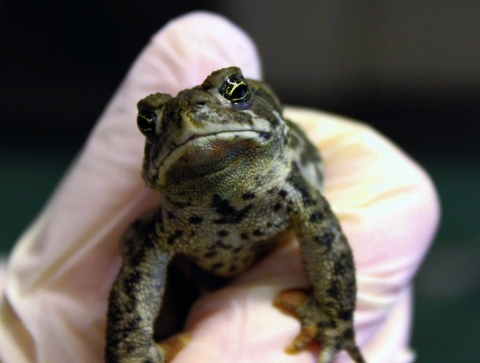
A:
<point x="62" y="268"/>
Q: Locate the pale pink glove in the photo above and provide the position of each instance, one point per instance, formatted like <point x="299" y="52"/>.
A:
<point x="58" y="278"/>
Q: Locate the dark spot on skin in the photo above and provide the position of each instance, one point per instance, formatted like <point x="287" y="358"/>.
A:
<point x="327" y="325"/>
<point x="133" y="324"/>
<point x="339" y="268"/>
<point x="344" y="264"/>
<point x="330" y="304"/>
<point x="221" y="244"/>
<point x="229" y="214"/>
<point x="277" y="207"/>
<point x="148" y="243"/>
<point x="244" y="118"/>
<point x="210" y="254"/>
<point x="130" y="305"/>
<point x="114" y="314"/>
<point x="283" y="193"/>
<point x="346" y="314"/>
<point x="348" y="334"/>
<point x="269" y="225"/>
<point x="195" y="220"/>
<point x="316" y="216"/>
<point x="142" y="228"/>
<point x="132" y="279"/>
<point x="248" y="195"/>
<point x="257" y="232"/>
<point x="334" y="291"/>
<point x="237" y="249"/>
<point x="217" y="265"/>
<point x="232" y="268"/>
<point x="171" y="216"/>
<point x="129" y="347"/>
<point x="222" y="206"/>
<point x="244" y="236"/>
<point x="136" y="257"/>
<point x="174" y="236"/>
<point x="338" y="346"/>
<point x="343" y="290"/>
<point x="174" y="114"/>
<point x="222" y="233"/>
<point x="179" y="204"/>
<point x="326" y="239"/>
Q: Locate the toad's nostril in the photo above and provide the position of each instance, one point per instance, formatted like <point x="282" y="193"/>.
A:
<point x="201" y="103"/>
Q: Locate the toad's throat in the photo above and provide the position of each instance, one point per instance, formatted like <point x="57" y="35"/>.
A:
<point x="199" y="148"/>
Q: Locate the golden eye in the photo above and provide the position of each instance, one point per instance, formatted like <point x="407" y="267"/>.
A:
<point x="146" y="122"/>
<point x="235" y="89"/>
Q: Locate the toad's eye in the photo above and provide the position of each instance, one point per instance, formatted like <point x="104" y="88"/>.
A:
<point x="235" y="89"/>
<point x="146" y="122"/>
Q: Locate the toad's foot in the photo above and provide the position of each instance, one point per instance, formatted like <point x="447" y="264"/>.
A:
<point x="316" y="327"/>
<point x="172" y="346"/>
<point x="288" y="301"/>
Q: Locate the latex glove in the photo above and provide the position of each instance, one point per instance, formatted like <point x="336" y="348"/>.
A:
<point x="59" y="275"/>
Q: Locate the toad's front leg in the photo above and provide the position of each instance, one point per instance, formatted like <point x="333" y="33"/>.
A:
<point x="327" y="313"/>
<point x="136" y="298"/>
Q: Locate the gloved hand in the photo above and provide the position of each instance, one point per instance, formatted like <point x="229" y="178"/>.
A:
<point x="59" y="275"/>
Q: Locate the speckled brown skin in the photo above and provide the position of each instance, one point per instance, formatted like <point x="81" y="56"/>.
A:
<point x="234" y="175"/>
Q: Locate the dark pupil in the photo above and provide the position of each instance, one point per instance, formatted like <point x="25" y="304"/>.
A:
<point x="240" y="92"/>
<point x="145" y="121"/>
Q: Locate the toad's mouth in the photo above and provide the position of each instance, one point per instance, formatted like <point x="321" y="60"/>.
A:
<point x="210" y="145"/>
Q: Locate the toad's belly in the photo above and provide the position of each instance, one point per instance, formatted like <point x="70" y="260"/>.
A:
<point x="229" y="257"/>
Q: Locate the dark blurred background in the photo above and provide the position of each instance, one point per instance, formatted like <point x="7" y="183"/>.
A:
<point x="409" y="68"/>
